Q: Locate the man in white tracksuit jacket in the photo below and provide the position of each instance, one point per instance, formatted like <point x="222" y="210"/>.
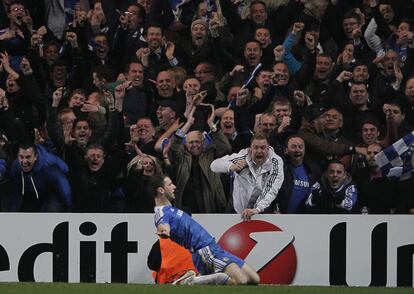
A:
<point x="258" y="176"/>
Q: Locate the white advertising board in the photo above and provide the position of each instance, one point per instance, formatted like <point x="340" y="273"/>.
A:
<point x="354" y="250"/>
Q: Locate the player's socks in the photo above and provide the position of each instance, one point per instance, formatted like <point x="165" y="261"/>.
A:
<point x="185" y="279"/>
<point x="213" y="279"/>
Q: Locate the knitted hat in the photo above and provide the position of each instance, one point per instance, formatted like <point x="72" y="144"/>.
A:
<point x="199" y="21"/>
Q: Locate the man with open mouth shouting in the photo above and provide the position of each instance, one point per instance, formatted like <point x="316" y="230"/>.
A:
<point x="258" y="176"/>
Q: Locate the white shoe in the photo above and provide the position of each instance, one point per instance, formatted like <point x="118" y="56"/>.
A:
<point x="185" y="279"/>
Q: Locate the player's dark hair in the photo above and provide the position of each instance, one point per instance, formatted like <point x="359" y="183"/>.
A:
<point x="155" y="182"/>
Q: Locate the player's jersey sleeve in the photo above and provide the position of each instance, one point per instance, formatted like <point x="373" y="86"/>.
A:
<point x="161" y="217"/>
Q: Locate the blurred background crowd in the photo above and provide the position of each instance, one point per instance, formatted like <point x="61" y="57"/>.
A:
<point x="250" y="106"/>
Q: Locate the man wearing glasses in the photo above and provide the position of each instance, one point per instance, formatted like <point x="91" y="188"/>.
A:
<point x="12" y="39"/>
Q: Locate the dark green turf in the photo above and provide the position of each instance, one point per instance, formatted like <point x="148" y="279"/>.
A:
<point x="62" y="288"/>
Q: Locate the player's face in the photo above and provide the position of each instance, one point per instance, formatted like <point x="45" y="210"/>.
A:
<point x="169" y="188"/>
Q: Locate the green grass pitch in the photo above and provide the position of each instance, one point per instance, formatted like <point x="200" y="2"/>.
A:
<point x="62" y="288"/>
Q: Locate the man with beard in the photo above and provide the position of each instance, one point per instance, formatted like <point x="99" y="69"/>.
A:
<point x="258" y="176"/>
<point x="300" y="176"/>
<point x="39" y="183"/>
<point x="335" y="194"/>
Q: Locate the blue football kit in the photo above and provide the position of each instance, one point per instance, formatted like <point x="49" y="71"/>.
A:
<point x="208" y="256"/>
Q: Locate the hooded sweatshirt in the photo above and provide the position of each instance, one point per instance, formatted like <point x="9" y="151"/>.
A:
<point x="41" y="188"/>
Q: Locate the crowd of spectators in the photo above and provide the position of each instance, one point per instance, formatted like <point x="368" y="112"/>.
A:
<point x="251" y="106"/>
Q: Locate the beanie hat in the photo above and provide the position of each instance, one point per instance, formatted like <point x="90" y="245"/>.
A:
<point x="199" y="21"/>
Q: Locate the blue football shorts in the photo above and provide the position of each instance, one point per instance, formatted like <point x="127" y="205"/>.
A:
<point x="213" y="259"/>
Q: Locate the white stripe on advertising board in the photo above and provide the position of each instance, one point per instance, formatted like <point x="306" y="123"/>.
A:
<point x="356" y="250"/>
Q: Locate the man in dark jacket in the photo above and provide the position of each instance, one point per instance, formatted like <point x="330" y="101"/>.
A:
<point x="97" y="182"/>
<point x="336" y="193"/>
